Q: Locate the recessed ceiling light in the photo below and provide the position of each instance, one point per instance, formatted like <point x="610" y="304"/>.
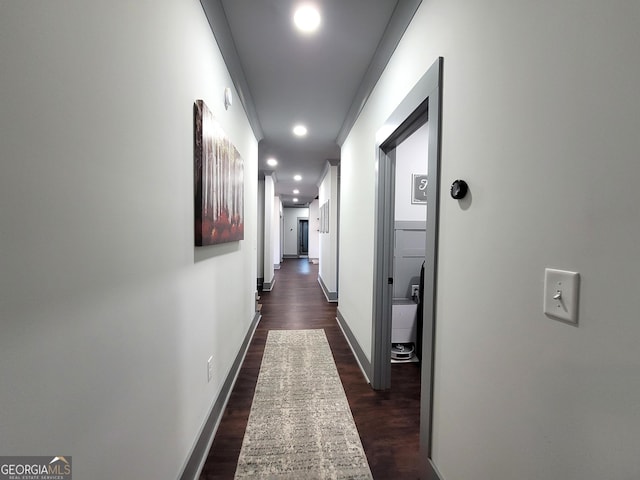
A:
<point x="297" y="178"/>
<point x="296" y="191"/>
<point x="300" y="130"/>
<point x="295" y="200"/>
<point x="272" y="162"/>
<point x="306" y="18"/>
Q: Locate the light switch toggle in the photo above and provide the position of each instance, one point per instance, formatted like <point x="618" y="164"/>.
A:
<point x="561" y="290"/>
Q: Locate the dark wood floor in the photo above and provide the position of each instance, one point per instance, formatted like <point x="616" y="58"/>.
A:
<point x="388" y="422"/>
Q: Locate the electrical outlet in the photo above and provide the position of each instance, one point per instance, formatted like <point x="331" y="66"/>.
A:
<point x="415" y="291"/>
<point x="209" y="369"/>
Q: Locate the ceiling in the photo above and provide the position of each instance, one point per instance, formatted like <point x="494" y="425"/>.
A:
<point x="322" y="79"/>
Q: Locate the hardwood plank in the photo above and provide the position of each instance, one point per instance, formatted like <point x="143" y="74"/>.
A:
<point x="388" y="422"/>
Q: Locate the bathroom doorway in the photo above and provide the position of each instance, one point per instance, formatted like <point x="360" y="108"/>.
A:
<point x="410" y="167"/>
<point x="421" y="105"/>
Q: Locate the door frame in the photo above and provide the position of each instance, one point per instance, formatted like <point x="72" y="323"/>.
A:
<point x="423" y="103"/>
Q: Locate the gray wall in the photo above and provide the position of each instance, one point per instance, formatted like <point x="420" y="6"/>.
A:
<point x="408" y="255"/>
<point x="108" y="312"/>
<point x="540" y="116"/>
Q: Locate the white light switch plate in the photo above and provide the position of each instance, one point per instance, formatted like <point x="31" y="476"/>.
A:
<point x="561" y="291"/>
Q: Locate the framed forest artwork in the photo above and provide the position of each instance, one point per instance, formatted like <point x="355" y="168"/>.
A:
<point x="218" y="182"/>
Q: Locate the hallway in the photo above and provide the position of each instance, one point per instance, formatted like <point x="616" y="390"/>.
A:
<point x="388" y="422"/>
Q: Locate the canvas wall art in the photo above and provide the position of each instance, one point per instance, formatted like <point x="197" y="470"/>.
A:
<point x="219" y="182"/>
<point x="419" y="188"/>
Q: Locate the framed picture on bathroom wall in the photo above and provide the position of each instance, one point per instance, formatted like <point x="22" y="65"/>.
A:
<point x="419" y="188"/>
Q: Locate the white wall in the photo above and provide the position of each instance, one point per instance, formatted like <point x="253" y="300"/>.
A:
<point x="278" y="230"/>
<point x="540" y="116"/>
<point x="411" y="157"/>
<point x="260" y="227"/>
<point x="108" y="312"/>
<point x="271" y="229"/>
<point x="291" y="216"/>
<point x="328" y="264"/>
<point x="314" y="229"/>
<point x="357" y="230"/>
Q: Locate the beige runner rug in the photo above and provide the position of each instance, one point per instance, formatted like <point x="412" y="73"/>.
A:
<point x="300" y="425"/>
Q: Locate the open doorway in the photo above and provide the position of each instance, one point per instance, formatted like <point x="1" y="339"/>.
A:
<point x="303" y="237"/>
<point x="410" y="166"/>
<point x="421" y="105"/>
